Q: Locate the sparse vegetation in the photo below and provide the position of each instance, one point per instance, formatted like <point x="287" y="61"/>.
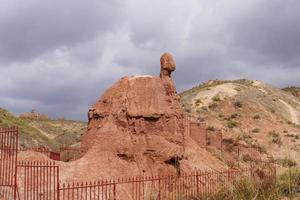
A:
<point x="256" y="130"/>
<point x="286" y="162"/>
<point x="188" y="110"/>
<point x="198" y="102"/>
<point x="238" y="104"/>
<point x="256" y="116"/>
<point x="276" y="139"/>
<point x="232" y="124"/>
<point x="39" y="133"/>
<point x="211" y="128"/>
<point x="234" y="116"/>
<point x="288" y="184"/>
<point x="213" y="105"/>
<point x="244" y="189"/>
<point x="216" y="98"/>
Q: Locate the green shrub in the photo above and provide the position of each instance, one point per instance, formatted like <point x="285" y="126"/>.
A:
<point x="211" y="128"/>
<point x="198" y="102"/>
<point x="238" y="104"/>
<point x="256" y="130"/>
<point x="288" y="184"/>
<point x="256" y="117"/>
<point x="276" y="139"/>
<point x="216" y="98"/>
<point x="286" y="162"/>
<point x="234" y="116"/>
<point x="231" y="124"/>
<point x="212" y="105"/>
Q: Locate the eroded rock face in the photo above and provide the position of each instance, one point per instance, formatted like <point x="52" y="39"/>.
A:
<point x="140" y="123"/>
<point x="145" y="114"/>
<point x="133" y="103"/>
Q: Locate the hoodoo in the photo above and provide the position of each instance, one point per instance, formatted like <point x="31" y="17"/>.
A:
<point x="139" y="127"/>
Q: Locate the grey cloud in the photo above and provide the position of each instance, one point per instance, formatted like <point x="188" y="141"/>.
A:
<point x="35" y="27"/>
<point x="59" y="56"/>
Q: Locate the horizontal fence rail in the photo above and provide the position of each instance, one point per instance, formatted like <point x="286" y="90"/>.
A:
<point x="44" y="150"/>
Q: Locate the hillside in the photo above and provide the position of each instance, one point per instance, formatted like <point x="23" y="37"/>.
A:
<point x="293" y="90"/>
<point x="44" y="132"/>
<point x="255" y="112"/>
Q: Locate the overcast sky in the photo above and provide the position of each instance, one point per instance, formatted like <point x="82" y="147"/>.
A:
<point x="59" y="56"/>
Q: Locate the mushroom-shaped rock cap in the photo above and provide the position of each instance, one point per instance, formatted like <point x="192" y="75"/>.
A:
<point x="167" y="63"/>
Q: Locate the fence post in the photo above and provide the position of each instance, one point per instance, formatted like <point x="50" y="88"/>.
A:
<point x="197" y="179"/>
<point x="206" y="139"/>
<point x="57" y="179"/>
<point x="238" y="153"/>
<point x="159" y="195"/>
<point x="114" y="191"/>
<point x="221" y="142"/>
<point x="16" y="160"/>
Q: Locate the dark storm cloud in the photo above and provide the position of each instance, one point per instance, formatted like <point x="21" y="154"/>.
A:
<point x="30" y="28"/>
<point x="59" y="56"/>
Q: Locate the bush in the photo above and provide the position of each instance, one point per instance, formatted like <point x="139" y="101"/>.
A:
<point x="286" y="162"/>
<point x="238" y="104"/>
<point x="276" y="139"/>
<point x="256" y="117"/>
<point x="231" y="124"/>
<point x="216" y="98"/>
<point x="234" y="116"/>
<point x="288" y="184"/>
<point x="256" y="130"/>
<point x="211" y="128"/>
<point x="243" y="189"/>
<point x="198" y="102"/>
<point x="212" y="105"/>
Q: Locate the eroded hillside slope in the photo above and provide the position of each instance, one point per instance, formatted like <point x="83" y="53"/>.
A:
<point x="255" y="112"/>
<point x="35" y="132"/>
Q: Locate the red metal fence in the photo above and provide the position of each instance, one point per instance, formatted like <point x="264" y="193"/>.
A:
<point x="38" y="180"/>
<point x="168" y="187"/>
<point x="41" y="181"/>
<point x="44" y="150"/>
<point x="8" y="162"/>
<point x="104" y="190"/>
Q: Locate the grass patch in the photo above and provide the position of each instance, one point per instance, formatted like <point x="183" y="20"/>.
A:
<point x="256" y="117"/>
<point x="211" y="128"/>
<point x="275" y="137"/>
<point x="232" y="124"/>
<point x="238" y="104"/>
<point x="256" y="130"/>
<point x="286" y="162"/>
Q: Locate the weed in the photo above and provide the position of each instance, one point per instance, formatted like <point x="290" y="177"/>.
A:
<point x="286" y="162"/>
<point x="212" y="106"/>
<point x="276" y="139"/>
<point x="238" y="104"/>
<point x="211" y="128"/>
<point x="216" y="98"/>
<point x="256" y="117"/>
<point x="231" y="124"/>
<point x="256" y="130"/>
<point x="198" y="102"/>
<point x="288" y="184"/>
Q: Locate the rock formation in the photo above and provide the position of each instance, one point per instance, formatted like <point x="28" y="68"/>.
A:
<point x="139" y="127"/>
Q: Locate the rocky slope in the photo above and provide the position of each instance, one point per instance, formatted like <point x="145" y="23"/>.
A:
<point x="45" y="132"/>
<point x="255" y="112"/>
<point x="293" y="90"/>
